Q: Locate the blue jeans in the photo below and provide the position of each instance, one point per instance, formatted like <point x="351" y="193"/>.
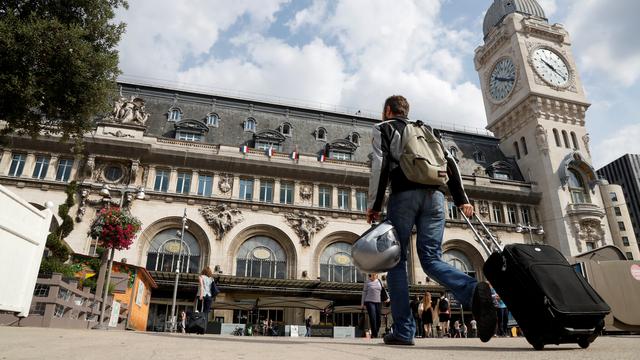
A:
<point x="424" y="209"/>
<point x="373" y="309"/>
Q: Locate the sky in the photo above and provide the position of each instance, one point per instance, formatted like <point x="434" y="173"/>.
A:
<point x="349" y="55"/>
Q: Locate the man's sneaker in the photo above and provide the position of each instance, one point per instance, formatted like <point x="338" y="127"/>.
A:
<point x="390" y="339"/>
<point x="484" y="312"/>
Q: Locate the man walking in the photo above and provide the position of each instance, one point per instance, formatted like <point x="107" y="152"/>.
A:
<point x="410" y="204"/>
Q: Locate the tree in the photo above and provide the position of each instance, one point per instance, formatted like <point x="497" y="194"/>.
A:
<point x="58" y="64"/>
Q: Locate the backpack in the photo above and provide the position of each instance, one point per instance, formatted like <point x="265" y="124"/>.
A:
<point x="422" y="160"/>
<point x="444" y="305"/>
<point x="215" y="290"/>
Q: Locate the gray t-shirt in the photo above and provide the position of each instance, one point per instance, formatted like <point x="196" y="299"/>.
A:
<point x="371" y="291"/>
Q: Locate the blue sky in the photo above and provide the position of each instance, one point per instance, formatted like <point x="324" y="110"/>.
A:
<point x="348" y="55"/>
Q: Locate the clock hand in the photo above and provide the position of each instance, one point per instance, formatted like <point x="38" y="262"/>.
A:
<point x="504" y="79"/>
<point x="554" y="69"/>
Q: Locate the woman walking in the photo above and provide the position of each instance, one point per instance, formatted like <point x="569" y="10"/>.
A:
<point x="204" y="290"/>
<point x="427" y="315"/>
<point x="371" y="300"/>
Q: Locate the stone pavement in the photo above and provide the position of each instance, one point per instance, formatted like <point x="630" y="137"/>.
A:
<point x="53" y="344"/>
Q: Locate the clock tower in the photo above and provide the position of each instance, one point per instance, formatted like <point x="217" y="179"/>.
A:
<point x="536" y="105"/>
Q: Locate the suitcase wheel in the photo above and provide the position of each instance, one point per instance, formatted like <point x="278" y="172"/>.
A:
<point x="584" y="343"/>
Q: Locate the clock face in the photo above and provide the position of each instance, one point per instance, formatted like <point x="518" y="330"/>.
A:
<point x="503" y="78"/>
<point x="550" y="67"/>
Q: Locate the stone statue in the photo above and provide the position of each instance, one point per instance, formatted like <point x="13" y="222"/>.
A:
<point x="305" y="225"/>
<point x="541" y="138"/>
<point x="221" y="218"/>
<point x="305" y="192"/>
<point x="225" y="184"/>
<point x="130" y="111"/>
<point x="586" y="140"/>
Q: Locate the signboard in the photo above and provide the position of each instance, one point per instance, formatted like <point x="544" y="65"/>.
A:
<point x="115" y="313"/>
<point x="140" y="294"/>
<point x="294" y="331"/>
<point x="23" y="234"/>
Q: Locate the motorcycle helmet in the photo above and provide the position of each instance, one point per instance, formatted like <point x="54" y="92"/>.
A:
<point x="377" y="250"/>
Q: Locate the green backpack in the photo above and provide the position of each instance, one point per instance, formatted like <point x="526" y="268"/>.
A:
<point x="422" y="160"/>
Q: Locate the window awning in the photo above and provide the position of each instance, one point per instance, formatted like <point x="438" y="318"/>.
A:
<point x="576" y="161"/>
<point x="271" y="302"/>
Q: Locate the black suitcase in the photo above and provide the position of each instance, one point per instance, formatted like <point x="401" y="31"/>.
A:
<point x="196" y="323"/>
<point x="551" y="302"/>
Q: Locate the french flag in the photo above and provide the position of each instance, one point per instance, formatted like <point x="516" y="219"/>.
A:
<point x="295" y="155"/>
<point x="244" y="149"/>
<point x="270" y="151"/>
<point x="323" y="156"/>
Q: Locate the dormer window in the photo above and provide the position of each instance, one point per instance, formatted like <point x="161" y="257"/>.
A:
<point x="188" y="136"/>
<point x="285" y="129"/>
<point x="190" y="130"/>
<point x="212" y="119"/>
<point x="175" y="114"/>
<point x="479" y="156"/>
<point x="355" y="138"/>
<point x="321" y="134"/>
<point x="250" y="125"/>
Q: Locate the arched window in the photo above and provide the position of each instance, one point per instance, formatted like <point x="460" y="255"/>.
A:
<point x="321" y="134"/>
<point x="166" y="250"/>
<point x="250" y="125"/>
<point x="285" y="129"/>
<point x="579" y="192"/>
<point x="454" y="152"/>
<point x="213" y="120"/>
<point x="557" y="137"/>
<point x="479" y="156"/>
<point x="524" y="145"/>
<point x="336" y="264"/>
<point x="517" y="148"/>
<point x="565" y="137"/>
<point x="459" y="260"/>
<point x="261" y="257"/>
<point x="175" y="114"/>
<point x="574" y="139"/>
<point x="355" y="138"/>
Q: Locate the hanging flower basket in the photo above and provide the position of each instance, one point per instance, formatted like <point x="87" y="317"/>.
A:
<point x="114" y="228"/>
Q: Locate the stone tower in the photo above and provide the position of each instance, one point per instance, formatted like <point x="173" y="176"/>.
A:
<point x="536" y="105"/>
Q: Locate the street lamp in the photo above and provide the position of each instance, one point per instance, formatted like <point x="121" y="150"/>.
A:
<point x="175" y="285"/>
<point x="530" y="229"/>
<point x="106" y="195"/>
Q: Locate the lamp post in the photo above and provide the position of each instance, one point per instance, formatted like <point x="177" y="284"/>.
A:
<point x="175" y="284"/>
<point x="106" y="195"/>
<point x="522" y="228"/>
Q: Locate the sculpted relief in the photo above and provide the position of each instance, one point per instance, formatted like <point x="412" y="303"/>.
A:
<point x="221" y="218"/>
<point x="305" y="225"/>
<point x="129" y="111"/>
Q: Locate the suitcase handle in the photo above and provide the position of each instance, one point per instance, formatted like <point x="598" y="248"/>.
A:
<point x="481" y="239"/>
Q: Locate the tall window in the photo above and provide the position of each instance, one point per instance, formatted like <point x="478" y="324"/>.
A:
<point x="629" y="255"/>
<point x="339" y="155"/>
<point x="213" y="120"/>
<point x="321" y="134"/>
<point x="574" y="141"/>
<point x="565" y="137"/>
<point x="621" y="226"/>
<point x="42" y="165"/>
<point x="246" y="189"/>
<point x="250" y="125"/>
<point x="517" y="149"/>
<point x="617" y="211"/>
<point x="613" y="196"/>
<point x="261" y="257"/>
<point x="579" y="193"/>
<point x="625" y="241"/>
<point x="556" y="136"/>
<point x="162" y="180"/>
<point x="324" y="196"/>
<point x="266" y="191"/>
<point x="286" y="193"/>
<point x="167" y="248"/>
<point x="524" y="145"/>
<point x="205" y="185"/>
<point x="17" y="164"/>
<point x="64" y="169"/>
<point x="336" y="264"/>
<point x="183" y="186"/>
<point x="355" y="138"/>
<point x="343" y="199"/>
<point x="525" y="213"/>
<point x="452" y="210"/>
<point x="175" y="114"/>
<point x="188" y="136"/>
<point x="511" y="214"/>
<point x="285" y="129"/>
<point x="361" y="200"/>
<point x="497" y="213"/>
<point x="459" y="260"/>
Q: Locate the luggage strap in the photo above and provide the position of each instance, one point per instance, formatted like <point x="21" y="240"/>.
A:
<point x="494" y="245"/>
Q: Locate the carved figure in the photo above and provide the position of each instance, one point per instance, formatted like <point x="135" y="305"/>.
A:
<point x="305" y="225"/>
<point x="586" y="140"/>
<point x="129" y="111"/>
<point x="134" y="171"/>
<point x="221" y="218"/>
<point x="225" y="184"/>
<point x="306" y="192"/>
<point x="541" y="138"/>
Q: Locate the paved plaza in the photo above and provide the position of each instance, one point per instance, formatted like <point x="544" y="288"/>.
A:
<point x="53" y="344"/>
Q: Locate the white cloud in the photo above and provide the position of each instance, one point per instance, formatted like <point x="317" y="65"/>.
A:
<point x="312" y="15"/>
<point x="549" y="6"/>
<point x="623" y="141"/>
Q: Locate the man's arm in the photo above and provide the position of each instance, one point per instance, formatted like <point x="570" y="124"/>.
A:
<point x="379" y="171"/>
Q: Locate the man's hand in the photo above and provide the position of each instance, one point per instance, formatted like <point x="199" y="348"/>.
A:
<point x="467" y="210"/>
<point x="372" y="215"/>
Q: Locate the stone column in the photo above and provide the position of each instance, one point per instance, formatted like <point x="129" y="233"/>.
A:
<point x="505" y="214"/>
<point x="75" y="167"/>
<point x="276" y="191"/>
<point x="353" y="201"/>
<point x="173" y="180"/>
<point x="151" y="179"/>
<point x="194" y="183"/>
<point x="235" y="191"/>
<point x="315" y="197"/>
<point x="256" y="189"/>
<point x="214" y="185"/>
<point x="297" y="199"/>
<point x="29" y="164"/>
<point x="53" y="167"/>
<point x="5" y="162"/>
<point x="334" y="197"/>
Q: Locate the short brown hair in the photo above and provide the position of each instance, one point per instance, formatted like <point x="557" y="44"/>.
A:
<point x="398" y="105"/>
<point x="207" y="271"/>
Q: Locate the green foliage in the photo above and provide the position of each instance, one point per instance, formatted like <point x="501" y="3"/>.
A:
<point x="51" y="265"/>
<point x="55" y="240"/>
<point x="58" y="64"/>
<point x="90" y="283"/>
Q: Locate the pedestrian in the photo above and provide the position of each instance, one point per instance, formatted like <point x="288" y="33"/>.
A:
<point x="415" y="311"/>
<point x="412" y="203"/>
<point x="444" y="314"/>
<point x="427" y="315"/>
<point x="503" y="315"/>
<point x="463" y="329"/>
<point x="182" y="322"/>
<point x="371" y="301"/>
<point x="474" y="328"/>
<point x="204" y="290"/>
<point x="307" y="324"/>
<point x="456" y="329"/>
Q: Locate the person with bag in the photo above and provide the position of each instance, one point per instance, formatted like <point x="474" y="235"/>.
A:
<point x="373" y="295"/>
<point x="205" y="298"/>
<point x="409" y="156"/>
<point x="444" y="314"/>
